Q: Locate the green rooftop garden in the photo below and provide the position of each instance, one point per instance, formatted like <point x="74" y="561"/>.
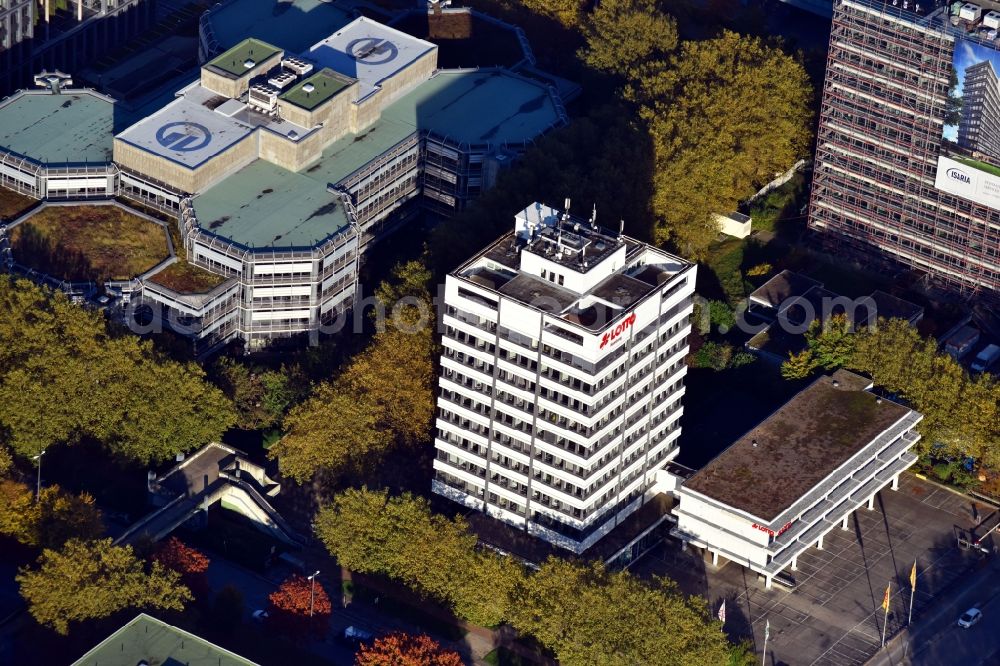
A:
<point x="185" y="278"/>
<point x="95" y="243"/>
<point x="12" y="203"/>
<point x="232" y="61"/>
<point x="324" y="84"/>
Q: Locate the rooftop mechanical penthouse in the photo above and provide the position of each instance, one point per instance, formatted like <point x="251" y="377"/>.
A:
<point x="561" y="377"/>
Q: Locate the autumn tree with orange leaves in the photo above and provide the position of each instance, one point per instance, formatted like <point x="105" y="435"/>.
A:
<point x="189" y="562"/>
<point x="289" y="607"/>
<point x="405" y="650"/>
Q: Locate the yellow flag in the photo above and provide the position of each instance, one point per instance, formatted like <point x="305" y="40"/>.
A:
<point x="885" y="599"/>
<point x="913" y="575"/>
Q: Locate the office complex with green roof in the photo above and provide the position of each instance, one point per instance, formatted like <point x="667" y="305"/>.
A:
<point x="283" y="168"/>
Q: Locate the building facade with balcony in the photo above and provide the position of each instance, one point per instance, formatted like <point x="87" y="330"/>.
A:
<point x="562" y="373"/>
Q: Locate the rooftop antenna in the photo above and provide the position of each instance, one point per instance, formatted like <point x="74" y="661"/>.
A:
<point x="621" y="228"/>
<point x="593" y="218"/>
<point x="566" y="211"/>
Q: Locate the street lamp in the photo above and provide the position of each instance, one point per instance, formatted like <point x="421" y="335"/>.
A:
<point x="312" y="592"/>
<point x="38" y="485"/>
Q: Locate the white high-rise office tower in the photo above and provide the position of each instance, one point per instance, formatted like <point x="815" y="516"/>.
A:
<point x="562" y="376"/>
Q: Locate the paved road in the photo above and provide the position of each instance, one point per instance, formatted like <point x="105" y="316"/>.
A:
<point x="936" y="639"/>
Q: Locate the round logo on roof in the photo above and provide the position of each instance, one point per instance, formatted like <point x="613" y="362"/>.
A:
<point x="183" y="137"/>
<point x="372" y="50"/>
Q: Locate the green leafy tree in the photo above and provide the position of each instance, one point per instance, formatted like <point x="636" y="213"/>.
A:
<point x="261" y="396"/>
<point x="624" y="35"/>
<point x="89" y="580"/>
<point x="399" y="537"/>
<point x="568" y="12"/>
<point x="799" y="366"/>
<point x="589" y="617"/>
<point x="51" y="520"/>
<point x="714" y="355"/>
<point x="63" y="377"/>
<point x="383" y="398"/>
<point x="721" y="315"/>
<point x="831" y="342"/>
<point x="725" y="115"/>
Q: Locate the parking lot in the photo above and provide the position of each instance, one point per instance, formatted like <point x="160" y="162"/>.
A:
<point x="834" y="615"/>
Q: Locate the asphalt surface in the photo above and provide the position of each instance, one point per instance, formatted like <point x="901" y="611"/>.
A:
<point x="935" y="638"/>
<point x="834" y="616"/>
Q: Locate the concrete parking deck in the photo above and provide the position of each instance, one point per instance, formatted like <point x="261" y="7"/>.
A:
<point x="834" y="615"/>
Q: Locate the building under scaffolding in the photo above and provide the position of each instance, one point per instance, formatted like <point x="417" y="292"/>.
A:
<point x="880" y="143"/>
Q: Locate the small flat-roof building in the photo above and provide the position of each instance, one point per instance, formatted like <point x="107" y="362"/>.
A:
<point x="778" y="489"/>
<point x="773" y="294"/>
<point x="146" y="640"/>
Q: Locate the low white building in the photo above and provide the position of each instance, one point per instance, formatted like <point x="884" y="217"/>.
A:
<point x="561" y="377"/>
<point x="801" y="473"/>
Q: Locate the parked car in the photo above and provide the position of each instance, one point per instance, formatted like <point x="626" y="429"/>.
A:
<point x="962" y="341"/>
<point x="986" y="358"/>
<point x="970" y="617"/>
<point x="356" y="635"/>
<point x="260" y="616"/>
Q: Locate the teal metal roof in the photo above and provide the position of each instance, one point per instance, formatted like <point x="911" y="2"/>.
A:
<point x="146" y="639"/>
<point x="264" y="205"/>
<point x="75" y="126"/>
<point x="293" y="26"/>
<point x="477" y="107"/>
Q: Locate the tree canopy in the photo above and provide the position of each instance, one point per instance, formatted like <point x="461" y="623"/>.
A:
<point x="49" y="522"/>
<point x="64" y="376"/>
<point x="190" y="563"/>
<point x="400" y="649"/>
<point x="725" y="116"/>
<point x="961" y="412"/>
<point x="624" y="35"/>
<point x="93" y="579"/>
<point x="383" y="398"/>
<point x="589" y="617"/>
<point x="299" y="607"/>
<point x="585" y="615"/>
<point x="372" y="532"/>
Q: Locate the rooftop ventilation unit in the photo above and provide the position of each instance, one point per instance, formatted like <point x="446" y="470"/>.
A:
<point x="282" y="80"/>
<point x="249" y="63"/>
<point x="300" y="67"/>
<point x="308" y="88"/>
<point x="263" y="97"/>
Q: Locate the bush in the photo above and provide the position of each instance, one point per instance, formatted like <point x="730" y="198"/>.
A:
<point x="721" y="315"/>
<point x="713" y="355"/>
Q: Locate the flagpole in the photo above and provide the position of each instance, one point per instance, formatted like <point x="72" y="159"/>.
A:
<point x="767" y="632"/>
<point x="913" y="591"/>
<point x="885" y="622"/>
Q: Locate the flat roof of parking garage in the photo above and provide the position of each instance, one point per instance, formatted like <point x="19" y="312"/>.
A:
<point x="75" y="126"/>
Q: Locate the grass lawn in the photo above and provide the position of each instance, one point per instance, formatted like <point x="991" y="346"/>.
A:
<point x="186" y="278"/>
<point x="12" y="203"/>
<point x="89" y="243"/>
<point x="976" y="164"/>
